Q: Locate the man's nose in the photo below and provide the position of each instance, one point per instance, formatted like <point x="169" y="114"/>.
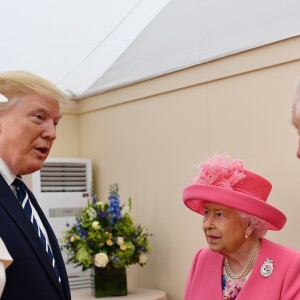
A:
<point x="49" y="131"/>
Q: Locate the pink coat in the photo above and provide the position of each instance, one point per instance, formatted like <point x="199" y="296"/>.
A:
<point x="205" y="283"/>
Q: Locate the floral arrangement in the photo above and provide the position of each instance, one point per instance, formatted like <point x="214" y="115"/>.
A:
<point x="105" y="234"/>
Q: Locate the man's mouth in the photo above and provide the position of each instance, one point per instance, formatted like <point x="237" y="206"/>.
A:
<point x="42" y="150"/>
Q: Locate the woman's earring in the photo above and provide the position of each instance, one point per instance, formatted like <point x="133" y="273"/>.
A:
<point x="246" y="236"/>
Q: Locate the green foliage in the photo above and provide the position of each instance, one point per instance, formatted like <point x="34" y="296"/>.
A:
<point x="109" y="230"/>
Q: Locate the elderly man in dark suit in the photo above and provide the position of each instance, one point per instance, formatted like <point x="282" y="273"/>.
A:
<point x="29" y="114"/>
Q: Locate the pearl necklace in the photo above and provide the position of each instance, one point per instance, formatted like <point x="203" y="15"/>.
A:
<point x="247" y="267"/>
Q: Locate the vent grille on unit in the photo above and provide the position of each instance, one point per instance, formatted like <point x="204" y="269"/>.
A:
<point x="81" y="280"/>
<point x="63" y="177"/>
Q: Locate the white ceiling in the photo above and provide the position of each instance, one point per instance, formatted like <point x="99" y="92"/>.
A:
<point x="87" y="47"/>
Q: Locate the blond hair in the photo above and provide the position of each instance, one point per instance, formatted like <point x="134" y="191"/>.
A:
<point x="17" y="84"/>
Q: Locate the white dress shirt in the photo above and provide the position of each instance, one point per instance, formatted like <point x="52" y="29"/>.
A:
<point x="9" y="177"/>
<point x="5" y="261"/>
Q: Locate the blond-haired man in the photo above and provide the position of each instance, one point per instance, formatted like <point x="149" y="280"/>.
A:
<point x="29" y="114"/>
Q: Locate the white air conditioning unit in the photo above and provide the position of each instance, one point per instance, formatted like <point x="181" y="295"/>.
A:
<point x="61" y="188"/>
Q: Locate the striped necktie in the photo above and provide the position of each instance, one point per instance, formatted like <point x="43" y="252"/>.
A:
<point x="24" y="200"/>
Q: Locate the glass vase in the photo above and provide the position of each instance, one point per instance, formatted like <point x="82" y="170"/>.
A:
<point x="108" y="282"/>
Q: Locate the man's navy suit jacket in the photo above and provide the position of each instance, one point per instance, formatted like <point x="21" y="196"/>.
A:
<point x="31" y="275"/>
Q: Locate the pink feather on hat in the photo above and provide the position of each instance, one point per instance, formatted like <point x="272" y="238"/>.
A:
<point x="220" y="171"/>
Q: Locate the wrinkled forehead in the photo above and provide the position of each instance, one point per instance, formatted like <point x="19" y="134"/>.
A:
<point x="34" y="104"/>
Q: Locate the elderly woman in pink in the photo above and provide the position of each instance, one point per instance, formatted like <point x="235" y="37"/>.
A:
<point x="239" y="262"/>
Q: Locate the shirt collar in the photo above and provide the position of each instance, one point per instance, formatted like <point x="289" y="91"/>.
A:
<point x="6" y="172"/>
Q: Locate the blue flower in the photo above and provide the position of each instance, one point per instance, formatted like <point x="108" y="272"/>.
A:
<point x="114" y="205"/>
<point x="82" y="232"/>
<point x="102" y="214"/>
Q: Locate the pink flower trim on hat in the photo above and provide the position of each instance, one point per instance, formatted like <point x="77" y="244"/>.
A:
<point x="221" y="171"/>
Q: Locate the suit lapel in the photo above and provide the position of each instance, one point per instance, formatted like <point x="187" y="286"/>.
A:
<point x="213" y="279"/>
<point x="208" y="276"/>
<point x="54" y="246"/>
<point x="14" y="209"/>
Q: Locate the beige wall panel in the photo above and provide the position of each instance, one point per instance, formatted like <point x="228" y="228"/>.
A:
<point x="107" y="137"/>
<point x="145" y="146"/>
<point x="149" y="145"/>
<point x="67" y="141"/>
<point x="249" y="117"/>
<point x="170" y="135"/>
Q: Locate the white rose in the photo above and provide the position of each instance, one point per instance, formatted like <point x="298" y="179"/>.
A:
<point x="142" y="258"/>
<point x="120" y="241"/>
<point x="101" y="260"/>
<point x="95" y="225"/>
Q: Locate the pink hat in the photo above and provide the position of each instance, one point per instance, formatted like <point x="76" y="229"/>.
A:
<point x="225" y="181"/>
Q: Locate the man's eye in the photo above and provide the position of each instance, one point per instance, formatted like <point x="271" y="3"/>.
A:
<point x="40" y="117"/>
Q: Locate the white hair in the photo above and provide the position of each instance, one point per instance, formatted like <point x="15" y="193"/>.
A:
<point x="260" y="227"/>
